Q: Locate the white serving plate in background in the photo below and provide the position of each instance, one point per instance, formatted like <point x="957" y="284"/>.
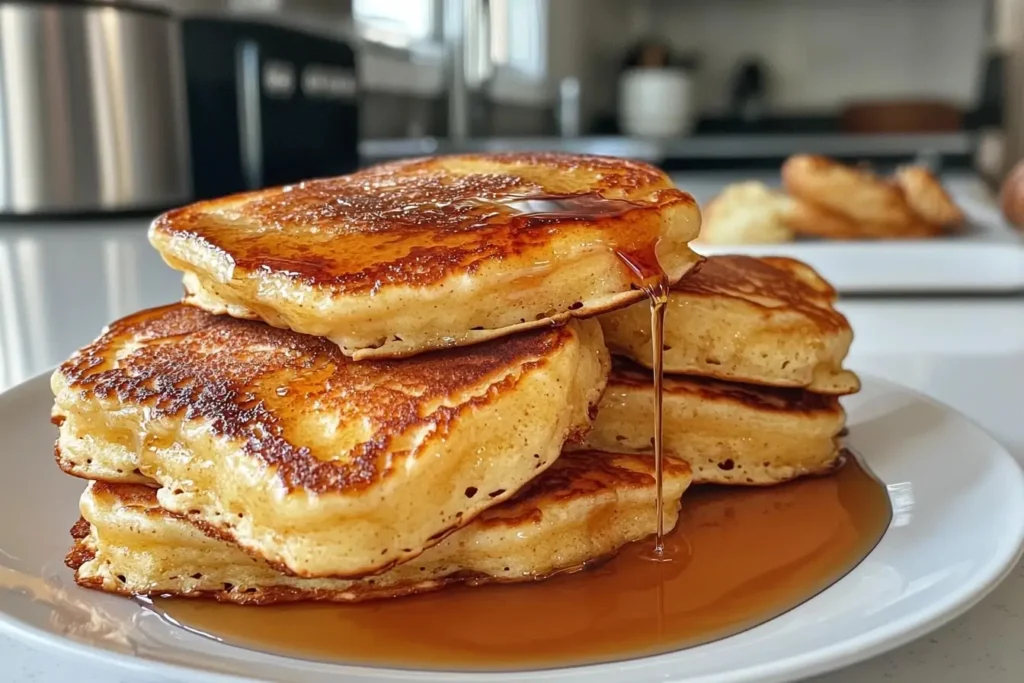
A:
<point x="988" y="257"/>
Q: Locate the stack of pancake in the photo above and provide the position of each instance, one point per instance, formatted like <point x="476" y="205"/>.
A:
<point x="387" y="382"/>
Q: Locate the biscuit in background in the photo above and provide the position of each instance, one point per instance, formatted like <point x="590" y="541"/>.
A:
<point x="746" y="213"/>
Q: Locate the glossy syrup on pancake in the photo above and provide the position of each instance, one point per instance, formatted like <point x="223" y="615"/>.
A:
<point x="753" y="554"/>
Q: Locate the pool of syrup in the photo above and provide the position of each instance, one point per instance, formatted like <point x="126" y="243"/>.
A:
<point x="740" y="557"/>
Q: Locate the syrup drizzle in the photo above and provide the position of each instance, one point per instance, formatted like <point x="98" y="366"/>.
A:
<point x="649" y="277"/>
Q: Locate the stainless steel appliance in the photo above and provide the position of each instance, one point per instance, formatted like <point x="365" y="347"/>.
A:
<point x="92" y="109"/>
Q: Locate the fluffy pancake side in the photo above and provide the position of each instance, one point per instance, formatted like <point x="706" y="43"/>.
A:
<point x="437" y="252"/>
<point x="766" y="320"/>
<point x="728" y="433"/>
<point x="321" y="465"/>
<point x="584" y="508"/>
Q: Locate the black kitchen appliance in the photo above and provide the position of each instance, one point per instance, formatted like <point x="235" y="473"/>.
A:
<point x="267" y="104"/>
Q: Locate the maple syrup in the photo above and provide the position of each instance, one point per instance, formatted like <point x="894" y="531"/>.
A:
<point x="639" y="253"/>
<point x="751" y="555"/>
<point x="586" y="206"/>
<point x="649" y="276"/>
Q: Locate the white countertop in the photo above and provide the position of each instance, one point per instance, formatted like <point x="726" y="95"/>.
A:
<point x="60" y="285"/>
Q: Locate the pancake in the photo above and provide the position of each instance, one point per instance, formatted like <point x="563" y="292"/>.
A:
<point x="729" y="433"/>
<point x="428" y="253"/>
<point x="584" y="508"/>
<point x="764" y="320"/>
<point x="321" y="465"/>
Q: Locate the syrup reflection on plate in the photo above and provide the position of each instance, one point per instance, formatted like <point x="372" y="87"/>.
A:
<point x="901" y="498"/>
<point x="79" y="618"/>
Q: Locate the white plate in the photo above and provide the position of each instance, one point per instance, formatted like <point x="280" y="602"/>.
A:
<point x="987" y="257"/>
<point x="957" y="529"/>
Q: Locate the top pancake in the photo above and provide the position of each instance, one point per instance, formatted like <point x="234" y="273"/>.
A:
<point x="318" y="464"/>
<point x="420" y="254"/>
<point x="764" y="320"/>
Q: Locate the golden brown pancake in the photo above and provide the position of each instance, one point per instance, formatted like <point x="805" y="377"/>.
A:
<point x="584" y="508"/>
<point x="321" y="465"/>
<point x="729" y="433"/>
<point x="428" y="253"/>
<point x="766" y="320"/>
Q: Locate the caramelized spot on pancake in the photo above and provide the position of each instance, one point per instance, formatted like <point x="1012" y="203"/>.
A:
<point x="138" y="495"/>
<point x="183" y="362"/>
<point x="775" y="283"/>
<point x="80" y="552"/>
<point x="578" y="475"/>
<point x="783" y="399"/>
<point x="415" y="222"/>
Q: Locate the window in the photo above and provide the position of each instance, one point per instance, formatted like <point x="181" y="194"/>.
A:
<point x="407" y="20"/>
<point x="519" y="36"/>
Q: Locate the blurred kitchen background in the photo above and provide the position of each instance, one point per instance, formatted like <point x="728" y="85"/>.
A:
<point x="138" y="105"/>
<point x="114" y="110"/>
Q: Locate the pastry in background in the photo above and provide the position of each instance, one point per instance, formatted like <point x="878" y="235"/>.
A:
<point x="837" y="201"/>
<point x="746" y="213"/>
<point x="854" y="193"/>
<point x="1011" y="196"/>
<point x="927" y="197"/>
<point x="811" y="220"/>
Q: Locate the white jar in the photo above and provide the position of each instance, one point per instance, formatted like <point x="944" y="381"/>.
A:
<point x="656" y="102"/>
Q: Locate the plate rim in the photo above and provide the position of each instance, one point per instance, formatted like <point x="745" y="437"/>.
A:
<point x="815" y="662"/>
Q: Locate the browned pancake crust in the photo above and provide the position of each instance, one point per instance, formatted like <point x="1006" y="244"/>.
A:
<point x="763" y="398"/>
<point x="575" y="475"/>
<point x="779" y="280"/>
<point x="414" y="222"/>
<point x="225" y="372"/>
